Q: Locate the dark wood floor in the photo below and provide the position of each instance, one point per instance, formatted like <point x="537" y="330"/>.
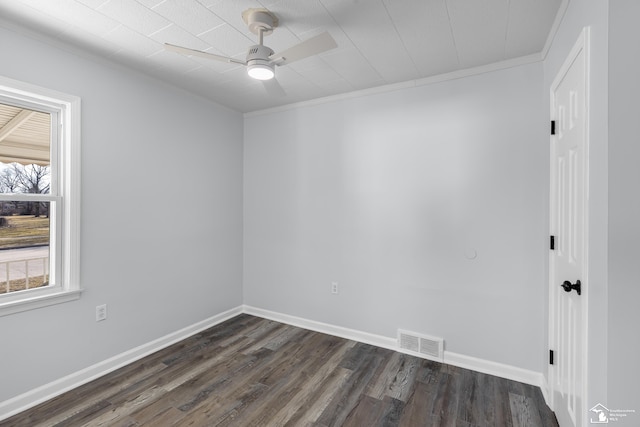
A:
<point x="250" y="371"/>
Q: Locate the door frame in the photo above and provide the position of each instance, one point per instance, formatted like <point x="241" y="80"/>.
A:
<point x="582" y="45"/>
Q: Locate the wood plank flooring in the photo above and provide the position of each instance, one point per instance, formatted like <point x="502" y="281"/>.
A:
<point x="250" y="371"/>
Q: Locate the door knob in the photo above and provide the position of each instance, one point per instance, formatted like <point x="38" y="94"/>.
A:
<point x="568" y="286"/>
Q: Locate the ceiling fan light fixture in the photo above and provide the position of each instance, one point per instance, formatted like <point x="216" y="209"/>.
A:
<point x="261" y="60"/>
<point x="260" y="70"/>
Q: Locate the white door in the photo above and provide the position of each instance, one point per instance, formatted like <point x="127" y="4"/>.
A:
<point x="568" y="267"/>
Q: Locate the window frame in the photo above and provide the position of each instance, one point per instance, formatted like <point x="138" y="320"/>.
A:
<point x="65" y="167"/>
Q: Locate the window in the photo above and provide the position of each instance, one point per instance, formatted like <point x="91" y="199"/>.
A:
<point x="39" y="197"/>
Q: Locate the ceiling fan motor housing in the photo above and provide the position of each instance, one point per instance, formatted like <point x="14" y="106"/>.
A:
<point x="259" y="66"/>
<point x="260" y="52"/>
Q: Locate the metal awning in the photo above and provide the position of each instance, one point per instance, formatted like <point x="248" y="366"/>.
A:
<point x="24" y="136"/>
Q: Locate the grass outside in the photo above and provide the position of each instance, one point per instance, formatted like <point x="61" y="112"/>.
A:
<point x="21" y="284"/>
<point x="24" y="231"/>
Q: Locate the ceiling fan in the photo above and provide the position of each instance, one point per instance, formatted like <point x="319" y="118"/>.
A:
<point x="261" y="60"/>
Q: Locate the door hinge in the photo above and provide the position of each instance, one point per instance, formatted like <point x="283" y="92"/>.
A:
<point x="550" y="357"/>
<point x="553" y="127"/>
<point x="552" y="243"/>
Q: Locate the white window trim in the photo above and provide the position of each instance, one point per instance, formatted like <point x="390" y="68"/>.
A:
<point x="68" y="108"/>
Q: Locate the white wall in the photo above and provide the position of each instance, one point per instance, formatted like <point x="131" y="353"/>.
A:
<point x="592" y="13"/>
<point x="624" y="209"/>
<point x="385" y="193"/>
<point x="161" y="216"/>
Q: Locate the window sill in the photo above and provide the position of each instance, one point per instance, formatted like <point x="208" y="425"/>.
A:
<point x="12" y="307"/>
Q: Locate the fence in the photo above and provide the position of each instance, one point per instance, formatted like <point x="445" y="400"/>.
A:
<point x="18" y="275"/>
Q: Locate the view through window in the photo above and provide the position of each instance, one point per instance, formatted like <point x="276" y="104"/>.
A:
<point x="26" y="208"/>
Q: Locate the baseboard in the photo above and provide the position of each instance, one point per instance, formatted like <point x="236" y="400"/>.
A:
<point x="325" y="328"/>
<point x="494" y="368"/>
<point x="480" y="365"/>
<point x="41" y="394"/>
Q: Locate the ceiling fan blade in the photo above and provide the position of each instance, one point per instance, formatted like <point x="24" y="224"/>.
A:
<point x="313" y="46"/>
<point x="186" y="51"/>
<point x="273" y="88"/>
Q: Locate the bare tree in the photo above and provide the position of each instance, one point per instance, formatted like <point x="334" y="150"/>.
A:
<point x="33" y="179"/>
<point x="9" y="181"/>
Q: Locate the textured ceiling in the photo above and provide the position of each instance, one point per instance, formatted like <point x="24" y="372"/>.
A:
<point x="380" y="42"/>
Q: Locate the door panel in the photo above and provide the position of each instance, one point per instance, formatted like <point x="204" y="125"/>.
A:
<point x="569" y="178"/>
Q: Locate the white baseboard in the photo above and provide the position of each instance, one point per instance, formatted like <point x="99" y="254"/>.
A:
<point x="325" y="328"/>
<point x="480" y="365"/>
<point x="494" y="368"/>
<point x="41" y="394"/>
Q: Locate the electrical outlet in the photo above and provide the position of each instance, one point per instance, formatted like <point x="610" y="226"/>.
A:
<point x="101" y="312"/>
<point x="334" y="287"/>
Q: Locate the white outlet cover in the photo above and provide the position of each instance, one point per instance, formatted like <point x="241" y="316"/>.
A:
<point x="101" y="312"/>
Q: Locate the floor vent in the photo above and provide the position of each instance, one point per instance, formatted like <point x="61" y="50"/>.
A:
<point x="421" y="345"/>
